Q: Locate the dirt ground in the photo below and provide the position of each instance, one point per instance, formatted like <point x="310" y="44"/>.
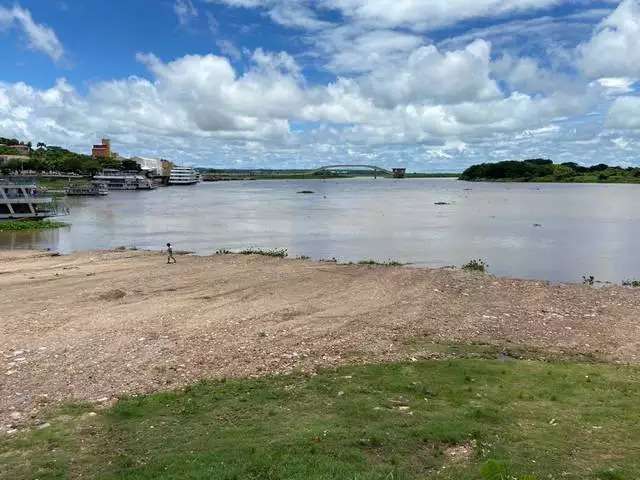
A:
<point x="92" y="326"/>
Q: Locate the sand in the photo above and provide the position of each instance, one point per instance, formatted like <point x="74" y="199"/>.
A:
<point x="96" y="325"/>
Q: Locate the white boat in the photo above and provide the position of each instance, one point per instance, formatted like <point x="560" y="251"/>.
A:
<point x="23" y="199"/>
<point x="93" y="190"/>
<point x="116" y="180"/>
<point x="183" y="176"/>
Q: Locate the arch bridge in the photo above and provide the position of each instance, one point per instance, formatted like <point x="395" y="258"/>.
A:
<point x="375" y="169"/>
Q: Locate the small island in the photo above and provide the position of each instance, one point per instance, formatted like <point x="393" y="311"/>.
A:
<point x="544" y="170"/>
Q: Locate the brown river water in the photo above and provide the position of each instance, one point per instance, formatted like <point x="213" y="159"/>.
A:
<point x="556" y="232"/>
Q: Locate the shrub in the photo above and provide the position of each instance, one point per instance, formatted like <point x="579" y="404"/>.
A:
<point x="276" y="252"/>
<point x="476" y="266"/>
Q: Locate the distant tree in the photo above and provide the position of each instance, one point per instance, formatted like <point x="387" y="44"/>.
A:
<point x="130" y="165"/>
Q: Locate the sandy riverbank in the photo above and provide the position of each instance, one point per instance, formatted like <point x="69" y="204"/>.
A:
<point x="91" y="326"/>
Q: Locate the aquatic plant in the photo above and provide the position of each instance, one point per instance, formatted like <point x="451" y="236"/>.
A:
<point x="15" y="225"/>
<point x="276" y="252"/>
<point x="631" y="283"/>
<point x="476" y="266"/>
<point x="588" y="280"/>
<point x="388" y="263"/>
<point x="223" y="251"/>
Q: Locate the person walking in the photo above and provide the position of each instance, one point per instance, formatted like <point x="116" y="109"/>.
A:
<point x="170" y="256"/>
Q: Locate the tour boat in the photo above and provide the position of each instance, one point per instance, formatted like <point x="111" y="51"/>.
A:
<point x="23" y="200"/>
<point x="116" y="180"/>
<point x="183" y="176"/>
<point x="93" y="190"/>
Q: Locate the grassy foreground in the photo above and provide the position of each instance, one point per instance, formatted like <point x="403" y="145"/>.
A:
<point x="458" y="419"/>
<point x="15" y="225"/>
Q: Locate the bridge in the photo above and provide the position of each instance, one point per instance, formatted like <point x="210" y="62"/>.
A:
<point x="345" y="167"/>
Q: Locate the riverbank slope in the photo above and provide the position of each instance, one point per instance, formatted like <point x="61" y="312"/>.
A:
<point x="92" y="326"/>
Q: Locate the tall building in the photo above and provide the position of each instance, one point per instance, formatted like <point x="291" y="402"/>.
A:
<point x="103" y="150"/>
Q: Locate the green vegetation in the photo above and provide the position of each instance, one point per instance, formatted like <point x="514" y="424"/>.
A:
<point x="56" y="159"/>
<point x="541" y="170"/>
<point x="458" y="419"/>
<point x="275" y="252"/>
<point x="631" y="283"/>
<point x="388" y="263"/>
<point x="476" y="266"/>
<point x="15" y="225"/>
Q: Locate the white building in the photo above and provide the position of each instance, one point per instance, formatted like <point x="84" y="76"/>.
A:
<point x="153" y="165"/>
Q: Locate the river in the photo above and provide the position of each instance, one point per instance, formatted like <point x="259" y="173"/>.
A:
<point x="555" y="232"/>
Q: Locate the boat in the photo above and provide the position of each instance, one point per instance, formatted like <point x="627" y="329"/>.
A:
<point x="95" y="189"/>
<point x="24" y="200"/>
<point x="117" y="180"/>
<point x="183" y="176"/>
<point x="144" y="183"/>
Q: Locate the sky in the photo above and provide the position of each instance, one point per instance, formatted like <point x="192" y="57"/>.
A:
<point x="430" y="85"/>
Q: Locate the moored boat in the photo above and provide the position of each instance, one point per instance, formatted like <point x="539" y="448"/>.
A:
<point x="94" y="189"/>
<point x="24" y="200"/>
<point x="183" y="176"/>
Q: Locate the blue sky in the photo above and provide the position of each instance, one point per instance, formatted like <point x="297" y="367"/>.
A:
<point x="432" y="85"/>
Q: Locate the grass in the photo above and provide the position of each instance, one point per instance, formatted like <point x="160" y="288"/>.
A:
<point x="275" y="252"/>
<point x="507" y="420"/>
<point x="476" y="266"/>
<point x="15" y="225"/>
<point x="374" y="263"/>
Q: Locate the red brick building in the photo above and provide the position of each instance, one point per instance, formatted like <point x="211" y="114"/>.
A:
<point x="103" y="150"/>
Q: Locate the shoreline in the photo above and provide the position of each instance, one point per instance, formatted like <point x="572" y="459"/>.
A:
<point x="97" y="325"/>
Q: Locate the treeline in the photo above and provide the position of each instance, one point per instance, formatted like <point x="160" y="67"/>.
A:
<point x="544" y="170"/>
<point x="57" y="159"/>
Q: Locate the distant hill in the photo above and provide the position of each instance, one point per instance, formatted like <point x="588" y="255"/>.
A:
<point x="544" y="170"/>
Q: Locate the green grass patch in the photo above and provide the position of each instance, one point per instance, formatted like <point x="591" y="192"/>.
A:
<point x="374" y="263"/>
<point x="459" y="419"/>
<point x="476" y="266"/>
<point x="15" y="225"/>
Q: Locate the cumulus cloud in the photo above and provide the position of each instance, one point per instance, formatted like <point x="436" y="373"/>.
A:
<point x="613" y="49"/>
<point x="39" y="37"/>
<point x="625" y="113"/>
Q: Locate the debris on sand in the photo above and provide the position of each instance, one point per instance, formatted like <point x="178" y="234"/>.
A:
<point x="116" y="294"/>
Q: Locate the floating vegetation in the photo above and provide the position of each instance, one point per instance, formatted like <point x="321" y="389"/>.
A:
<point x="588" y="280"/>
<point x="306" y="192"/>
<point x="374" y="263"/>
<point x="442" y="203"/>
<point x="276" y="252"/>
<point x="476" y="266"/>
<point x="16" y="225"/>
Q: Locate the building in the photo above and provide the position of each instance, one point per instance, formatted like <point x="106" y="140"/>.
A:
<point x="19" y="149"/>
<point x="157" y="167"/>
<point x="399" y="172"/>
<point x="103" y="150"/>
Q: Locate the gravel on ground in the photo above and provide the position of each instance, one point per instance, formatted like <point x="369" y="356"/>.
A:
<point x="96" y="325"/>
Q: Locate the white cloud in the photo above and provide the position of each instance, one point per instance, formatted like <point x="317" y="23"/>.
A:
<point x="613" y="50"/>
<point x="185" y="11"/>
<point x="624" y="113"/>
<point x="39" y="37"/>
<point x="428" y="14"/>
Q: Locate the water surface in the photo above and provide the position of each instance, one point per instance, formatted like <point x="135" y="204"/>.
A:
<point x="584" y="229"/>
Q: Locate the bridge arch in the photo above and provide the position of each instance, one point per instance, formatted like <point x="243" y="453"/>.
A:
<point x="374" y="168"/>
